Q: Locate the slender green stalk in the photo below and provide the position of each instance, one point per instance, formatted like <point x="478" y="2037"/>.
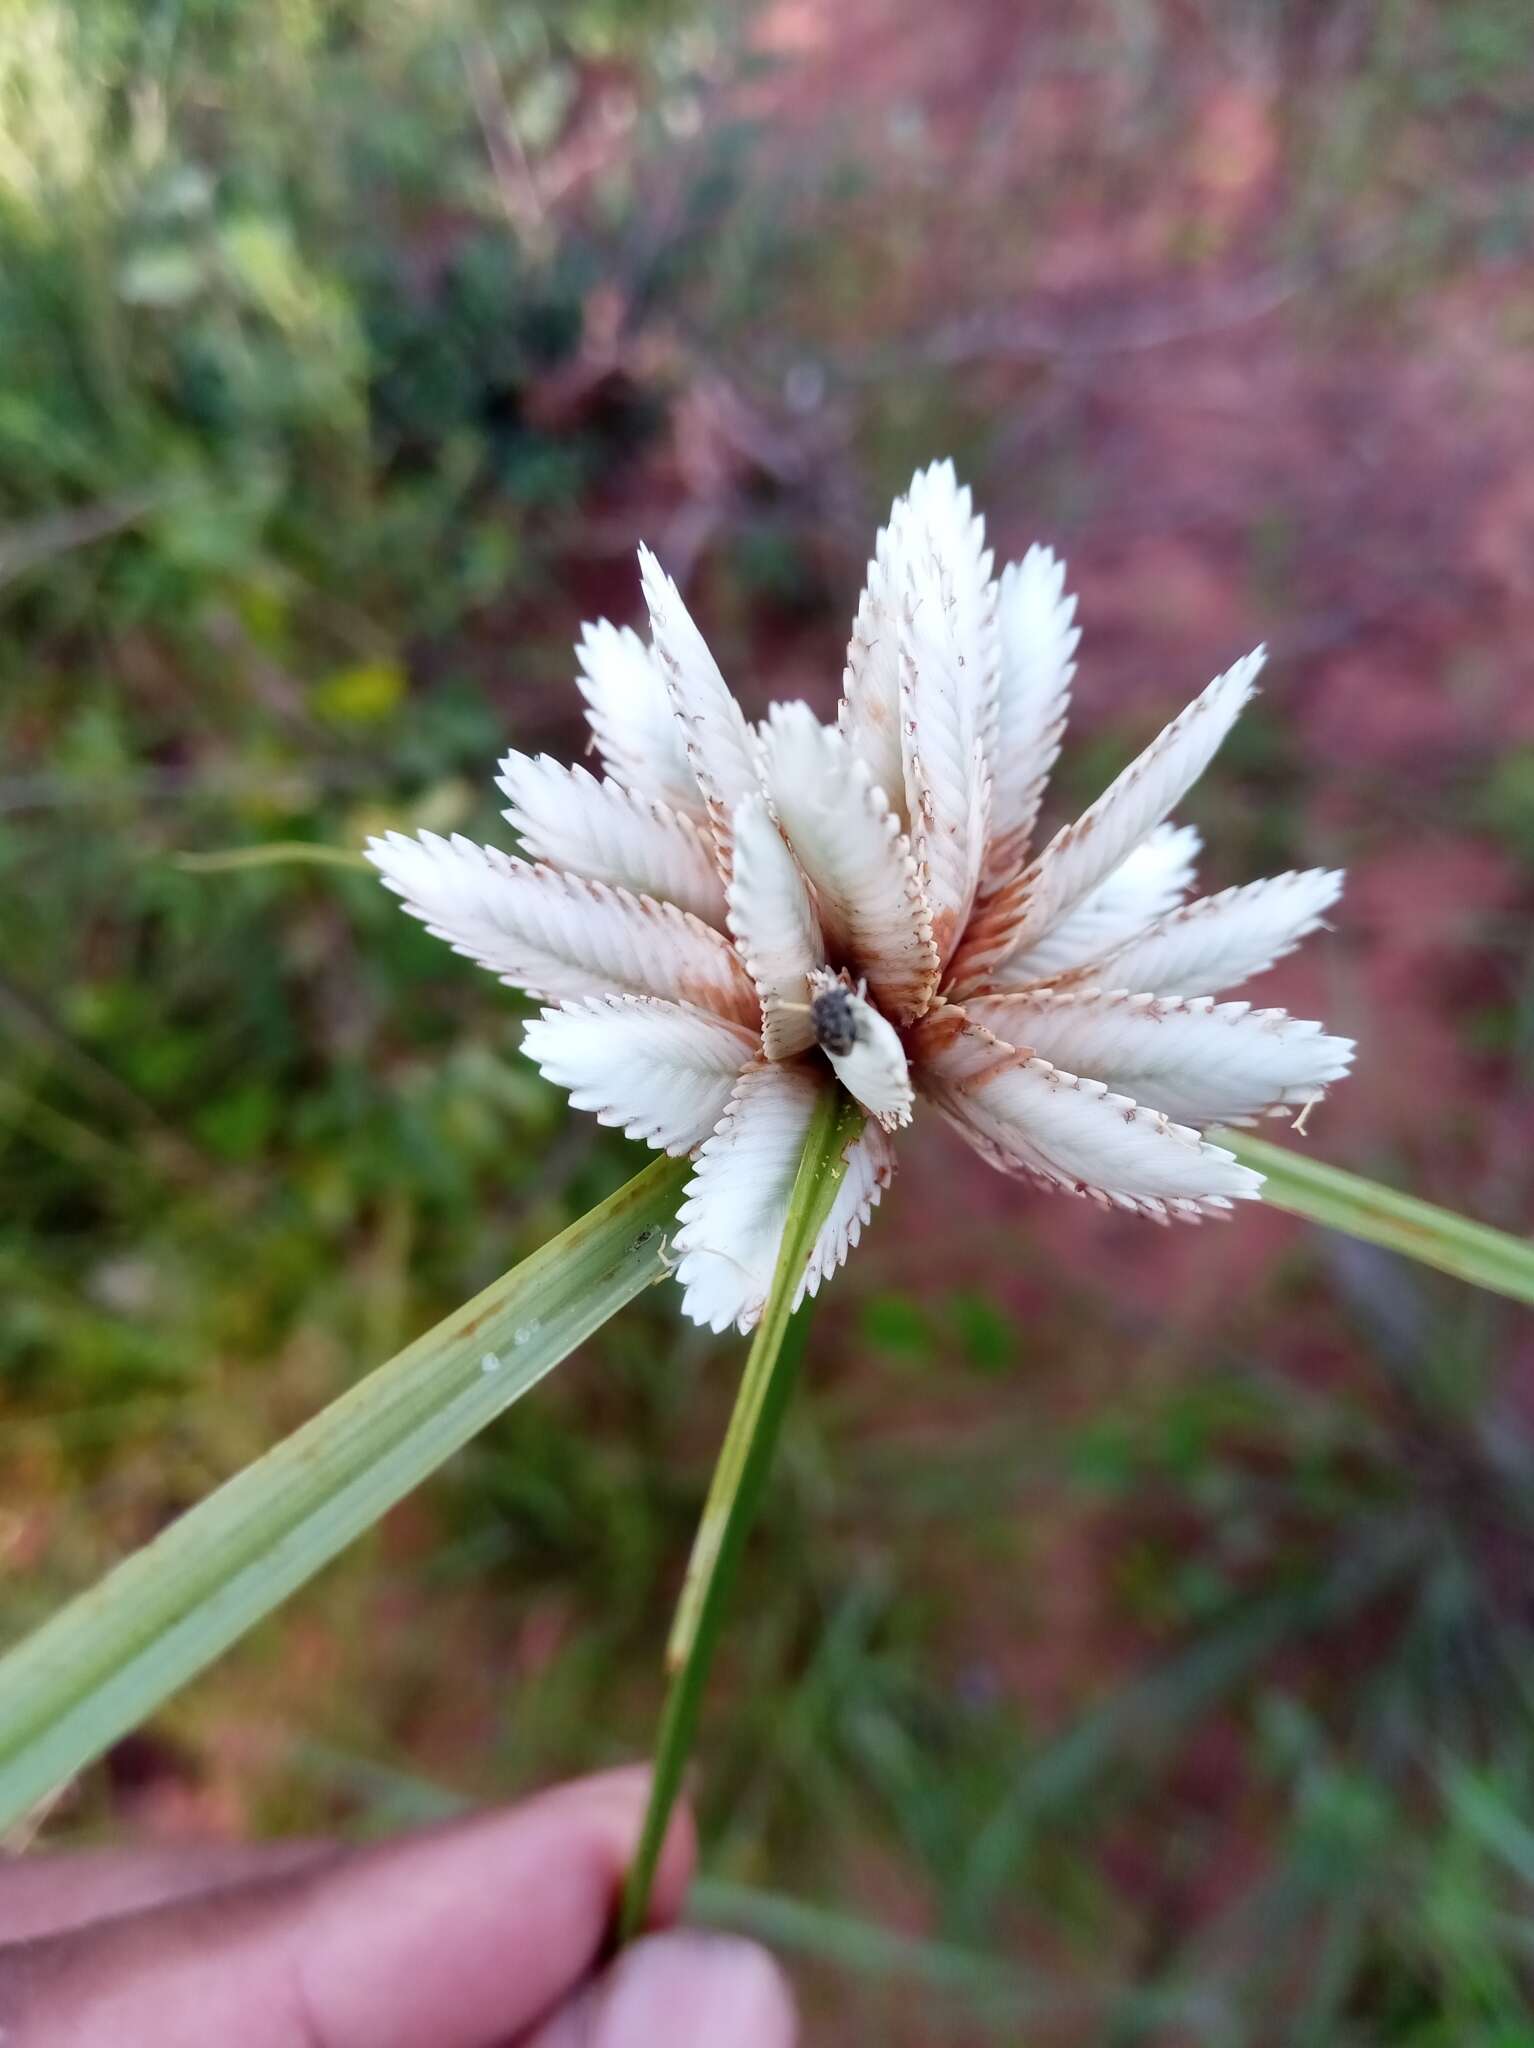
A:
<point x="114" y="1654"/>
<point x="740" y="1475"/>
<point x="1363" y="1208"/>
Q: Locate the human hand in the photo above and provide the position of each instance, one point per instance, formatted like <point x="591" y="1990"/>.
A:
<point x="487" y="1932"/>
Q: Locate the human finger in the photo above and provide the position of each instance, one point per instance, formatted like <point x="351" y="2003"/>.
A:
<point x="688" y="1989"/>
<point x="45" y="1894"/>
<point x="457" y="1937"/>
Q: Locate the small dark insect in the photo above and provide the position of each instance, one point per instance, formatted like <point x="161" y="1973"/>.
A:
<point x="835" y="1022"/>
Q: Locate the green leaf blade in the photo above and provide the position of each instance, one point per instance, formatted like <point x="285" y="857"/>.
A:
<point x="119" y="1650"/>
<point x="1493" y="1259"/>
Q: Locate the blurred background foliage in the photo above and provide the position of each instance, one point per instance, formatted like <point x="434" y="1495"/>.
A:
<point x="1149" y="1613"/>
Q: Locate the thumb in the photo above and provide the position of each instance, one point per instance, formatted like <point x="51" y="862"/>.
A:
<point x="456" y="1937"/>
<point x="689" y="1990"/>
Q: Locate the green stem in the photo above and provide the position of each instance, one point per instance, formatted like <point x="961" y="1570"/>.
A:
<point x="1363" y="1208"/>
<point x="735" y="1491"/>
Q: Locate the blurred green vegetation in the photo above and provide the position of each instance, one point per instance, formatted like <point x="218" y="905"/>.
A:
<point x="1196" y="1688"/>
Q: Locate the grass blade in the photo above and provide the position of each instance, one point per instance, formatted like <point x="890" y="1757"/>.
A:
<point x="1475" y="1252"/>
<point x="851" y="1943"/>
<point x="114" y="1654"/>
<point x="745" y="1458"/>
<point x="1002" y="1994"/>
<point x="270" y="853"/>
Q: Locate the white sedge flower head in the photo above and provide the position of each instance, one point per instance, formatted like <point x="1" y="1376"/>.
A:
<point x="734" y="918"/>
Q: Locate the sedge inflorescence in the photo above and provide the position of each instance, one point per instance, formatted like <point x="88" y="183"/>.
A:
<point x="736" y="917"/>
